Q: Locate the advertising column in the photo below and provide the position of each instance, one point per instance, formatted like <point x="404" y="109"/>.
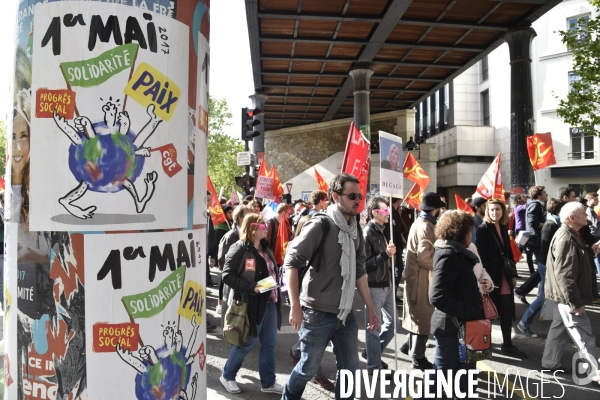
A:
<point x="105" y="211"/>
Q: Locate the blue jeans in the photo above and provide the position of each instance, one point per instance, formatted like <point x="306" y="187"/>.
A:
<point x="267" y="334"/>
<point x="597" y="261"/>
<point x="377" y="341"/>
<point x="537" y="304"/>
<point x="446" y="357"/>
<point x="317" y="329"/>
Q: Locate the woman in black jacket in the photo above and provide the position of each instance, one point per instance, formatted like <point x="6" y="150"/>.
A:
<point x="454" y="290"/>
<point x="493" y="244"/>
<point x="247" y="262"/>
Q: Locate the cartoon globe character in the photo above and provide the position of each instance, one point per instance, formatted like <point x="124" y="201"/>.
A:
<point x="107" y="157"/>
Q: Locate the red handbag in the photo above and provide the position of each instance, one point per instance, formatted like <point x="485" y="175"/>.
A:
<point x="488" y="307"/>
<point x="478" y="334"/>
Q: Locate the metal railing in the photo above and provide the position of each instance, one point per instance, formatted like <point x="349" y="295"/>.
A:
<point x="583" y="155"/>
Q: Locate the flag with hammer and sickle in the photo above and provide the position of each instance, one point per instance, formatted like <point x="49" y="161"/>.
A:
<point x="541" y="151"/>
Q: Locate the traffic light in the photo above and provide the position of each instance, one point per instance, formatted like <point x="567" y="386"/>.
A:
<point x="245" y="181"/>
<point x="250" y="123"/>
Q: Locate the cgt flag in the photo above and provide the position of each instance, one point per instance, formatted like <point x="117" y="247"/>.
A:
<point x="415" y="196"/>
<point x="169" y="159"/>
<point x="414" y="172"/>
<point x="462" y="205"/>
<point x="216" y="211"/>
<point x="321" y="182"/>
<point x="283" y="239"/>
<point x="541" y="151"/>
<point x="357" y="160"/>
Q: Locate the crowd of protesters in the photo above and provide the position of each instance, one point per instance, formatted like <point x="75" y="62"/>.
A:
<point x="447" y="260"/>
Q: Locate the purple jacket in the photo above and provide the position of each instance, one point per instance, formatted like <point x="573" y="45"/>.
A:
<point x="520" y="217"/>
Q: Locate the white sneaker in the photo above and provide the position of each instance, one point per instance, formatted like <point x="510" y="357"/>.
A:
<point x="276" y="388"/>
<point x="230" y="386"/>
<point x="219" y="308"/>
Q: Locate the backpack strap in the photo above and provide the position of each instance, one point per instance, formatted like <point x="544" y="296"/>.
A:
<point x="315" y="259"/>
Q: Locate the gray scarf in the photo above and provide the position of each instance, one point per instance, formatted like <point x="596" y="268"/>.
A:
<point x="346" y="237"/>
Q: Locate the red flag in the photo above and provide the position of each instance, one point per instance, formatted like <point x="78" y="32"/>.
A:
<point x="541" y="151"/>
<point x="216" y="212"/>
<point x="490" y="185"/>
<point x="357" y="160"/>
<point x="2" y="184"/>
<point x="321" y="182"/>
<point x="283" y="238"/>
<point x="415" y="196"/>
<point x="169" y="159"/>
<point x="277" y="187"/>
<point x="461" y="205"/>
<point x="414" y="172"/>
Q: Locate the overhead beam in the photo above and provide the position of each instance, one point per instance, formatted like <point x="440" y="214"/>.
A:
<point x="395" y="78"/>
<point x="364" y="58"/>
<point x="459" y="25"/>
<point x="282" y="85"/>
<point x="522" y="1"/>
<point x="315" y="17"/>
<point x="353" y="60"/>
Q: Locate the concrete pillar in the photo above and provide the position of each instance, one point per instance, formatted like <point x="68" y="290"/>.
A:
<point x="521" y="106"/>
<point x="362" y="109"/>
<point x="258" y="101"/>
<point x="405" y="125"/>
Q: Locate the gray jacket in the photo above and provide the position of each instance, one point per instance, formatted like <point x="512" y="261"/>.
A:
<point x="593" y="218"/>
<point x="322" y="290"/>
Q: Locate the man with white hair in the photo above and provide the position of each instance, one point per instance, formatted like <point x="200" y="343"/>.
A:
<point x="568" y="290"/>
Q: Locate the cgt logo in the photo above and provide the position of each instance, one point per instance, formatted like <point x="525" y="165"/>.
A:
<point x="584" y="368"/>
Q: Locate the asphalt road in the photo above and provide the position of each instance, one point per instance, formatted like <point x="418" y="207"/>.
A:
<point x="523" y="375"/>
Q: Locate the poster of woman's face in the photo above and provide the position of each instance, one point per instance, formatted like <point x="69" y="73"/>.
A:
<point x="390" y="155"/>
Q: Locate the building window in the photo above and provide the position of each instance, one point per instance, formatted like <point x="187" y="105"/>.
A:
<point x="484" y="69"/>
<point x="485" y="107"/>
<point x="446" y="104"/>
<point x="582" y="145"/>
<point x="426" y="124"/>
<point x="437" y="111"/>
<point x="573" y="25"/>
<point x="573" y="77"/>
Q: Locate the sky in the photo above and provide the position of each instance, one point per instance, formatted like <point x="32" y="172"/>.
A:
<point x="230" y="65"/>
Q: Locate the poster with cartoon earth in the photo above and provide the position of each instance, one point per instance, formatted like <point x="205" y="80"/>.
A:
<point x="110" y="116"/>
<point x="145" y="307"/>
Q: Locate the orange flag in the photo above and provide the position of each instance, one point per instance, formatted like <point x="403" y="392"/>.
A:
<point x="321" y="182"/>
<point x="541" y="151"/>
<point x="283" y="238"/>
<point x="490" y="185"/>
<point x="216" y="212"/>
<point x="414" y="172"/>
<point x="357" y="160"/>
<point x="277" y="187"/>
<point x="263" y="170"/>
<point x="461" y="205"/>
<point x="415" y="196"/>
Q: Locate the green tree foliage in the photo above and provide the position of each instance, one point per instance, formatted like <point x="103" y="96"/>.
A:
<point x="222" y="148"/>
<point x="2" y="149"/>
<point x="582" y="105"/>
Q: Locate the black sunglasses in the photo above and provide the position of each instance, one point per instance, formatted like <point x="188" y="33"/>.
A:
<point x="353" y="196"/>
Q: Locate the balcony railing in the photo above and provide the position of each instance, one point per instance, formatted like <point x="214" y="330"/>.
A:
<point x="583" y="155"/>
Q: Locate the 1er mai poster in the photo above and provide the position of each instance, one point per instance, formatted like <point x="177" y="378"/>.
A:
<point x="145" y="310"/>
<point x="109" y="118"/>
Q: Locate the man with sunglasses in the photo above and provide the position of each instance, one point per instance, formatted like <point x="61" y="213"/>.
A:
<point x="322" y="309"/>
<point x="379" y="253"/>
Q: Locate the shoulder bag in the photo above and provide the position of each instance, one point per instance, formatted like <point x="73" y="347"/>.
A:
<point x="489" y="308"/>
<point x="475" y="340"/>
<point x="510" y="268"/>
<point x="236" y="327"/>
